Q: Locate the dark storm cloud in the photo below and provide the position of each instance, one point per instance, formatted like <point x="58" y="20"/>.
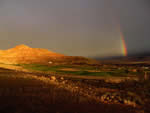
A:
<point x="76" y="27"/>
<point x="134" y="18"/>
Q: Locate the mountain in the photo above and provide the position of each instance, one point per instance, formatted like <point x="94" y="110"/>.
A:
<point x="25" y="54"/>
<point x="25" y="51"/>
<point x="139" y="59"/>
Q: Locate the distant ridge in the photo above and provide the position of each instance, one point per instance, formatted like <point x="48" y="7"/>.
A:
<point x="23" y="54"/>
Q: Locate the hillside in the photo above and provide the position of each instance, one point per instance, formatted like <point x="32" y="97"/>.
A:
<point x="25" y="54"/>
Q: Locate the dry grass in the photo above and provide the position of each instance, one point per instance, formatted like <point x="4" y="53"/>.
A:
<point x="22" y="93"/>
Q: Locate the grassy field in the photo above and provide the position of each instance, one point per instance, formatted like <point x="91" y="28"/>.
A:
<point x="78" y="70"/>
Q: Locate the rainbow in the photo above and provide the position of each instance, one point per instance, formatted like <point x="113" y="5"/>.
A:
<point x="123" y="44"/>
<point x="124" y="47"/>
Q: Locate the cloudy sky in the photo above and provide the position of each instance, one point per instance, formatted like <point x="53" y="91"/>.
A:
<point x="76" y="27"/>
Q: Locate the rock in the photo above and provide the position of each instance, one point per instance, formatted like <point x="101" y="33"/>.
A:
<point x="116" y="101"/>
<point x="76" y="87"/>
<point x="125" y="101"/>
<point x="53" y="78"/>
<point x="102" y="98"/>
<point x="63" y="82"/>
<point x="128" y="102"/>
<point x="108" y="98"/>
<point x="50" y="62"/>
<point x="62" y="78"/>
<point x="128" y="99"/>
<point x="112" y="96"/>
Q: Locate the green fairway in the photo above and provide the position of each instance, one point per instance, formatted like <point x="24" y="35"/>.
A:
<point x="75" y="70"/>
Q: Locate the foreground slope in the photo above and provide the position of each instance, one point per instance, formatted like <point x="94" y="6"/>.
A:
<point x="28" y="93"/>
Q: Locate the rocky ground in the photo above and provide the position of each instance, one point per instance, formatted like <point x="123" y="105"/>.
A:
<point x="22" y="92"/>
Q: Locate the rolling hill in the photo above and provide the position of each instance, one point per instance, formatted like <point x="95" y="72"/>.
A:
<point x="23" y="54"/>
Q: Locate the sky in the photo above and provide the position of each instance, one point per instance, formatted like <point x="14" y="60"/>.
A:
<point x="76" y="27"/>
